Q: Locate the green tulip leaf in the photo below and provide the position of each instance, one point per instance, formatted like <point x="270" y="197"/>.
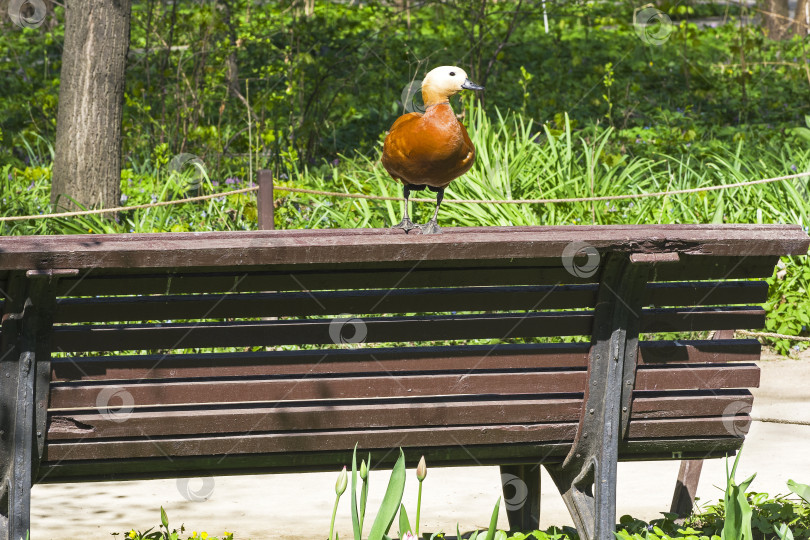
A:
<point x="391" y="501"/>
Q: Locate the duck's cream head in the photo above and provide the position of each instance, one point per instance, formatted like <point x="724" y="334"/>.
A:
<point x="444" y="81"/>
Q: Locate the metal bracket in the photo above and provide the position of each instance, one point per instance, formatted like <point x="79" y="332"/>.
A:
<point x="587" y="477"/>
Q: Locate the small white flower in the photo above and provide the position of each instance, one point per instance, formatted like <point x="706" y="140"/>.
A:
<point x="409" y="536"/>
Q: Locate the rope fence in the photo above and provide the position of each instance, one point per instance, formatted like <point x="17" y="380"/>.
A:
<point x="267" y="180"/>
<point x="384" y="198"/>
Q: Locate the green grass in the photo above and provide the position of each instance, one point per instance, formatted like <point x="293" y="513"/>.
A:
<point x="516" y="159"/>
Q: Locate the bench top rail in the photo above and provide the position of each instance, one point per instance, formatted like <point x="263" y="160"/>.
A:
<point x="334" y="246"/>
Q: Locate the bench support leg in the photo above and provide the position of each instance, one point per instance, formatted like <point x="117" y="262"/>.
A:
<point x="587" y="477"/>
<point x="521" y="495"/>
<point x="684" y="497"/>
<point x="22" y="415"/>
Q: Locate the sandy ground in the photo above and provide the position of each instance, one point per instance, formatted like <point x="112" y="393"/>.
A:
<point x="287" y="506"/>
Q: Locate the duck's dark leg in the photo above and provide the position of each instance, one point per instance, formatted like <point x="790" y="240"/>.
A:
<point x="432" y="226"/>
<point x="406" y="224"/>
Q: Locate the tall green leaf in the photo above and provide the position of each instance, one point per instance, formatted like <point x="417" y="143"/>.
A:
<point x="404" y="522"/>
<point x="738" y="511"/>
<point x="493" y="521"/>
<point x="355" y="518"/>
<point x="784" y="532"/>
<point x="391" y="501"/>
<point x="802" y="490"/>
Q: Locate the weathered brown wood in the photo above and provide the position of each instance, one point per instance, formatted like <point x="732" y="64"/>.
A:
<point x="697" y="376"/>
<point x="216" y="306"/>
<point x="309" y="442"/>
<point x="387" y="275"/>
<point x="687" y="403"/>
<point x="265" y="200"/>
<point x="102" y="469"/>
<point x="501" y="243"/>
<point x="652" y="258"/>
<point x="302" y="416"/>
<point x="705" y="293"/>
<point x="312" y="362"/>
<point x="82" y="338"/>
<point x="323" y="303"/>
<point x="307" y="388"/>
<point x="387" y="438"/>
<point x="694" y="351"/>
<point x="192" y="420"/>
<point x="149" y="468"/>
<point x="388" y="360"/>
<point x="694" y="427"/>
<point x="74" y="395"/>
<point x="684" y="496"/>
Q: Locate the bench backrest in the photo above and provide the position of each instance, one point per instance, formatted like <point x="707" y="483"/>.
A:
<point x="455" y="344"/>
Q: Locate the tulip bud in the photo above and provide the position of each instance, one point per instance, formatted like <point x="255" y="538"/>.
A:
<point x="342" y="481"/>
<point x="421" y="469"/>
<point x="363" y="470"/>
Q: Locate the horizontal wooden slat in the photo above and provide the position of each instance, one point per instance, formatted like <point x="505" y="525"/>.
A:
<point x="278" y="417"/>
<point x="219" y="306"/>
<point x="390" y="275"/>
<point x="369" y="438"/>
<point x="324" y="303"/>
<point x="235" y="419"/>
<point x="385" y="329"/>
<point x="700" y="376"/>
<point x="238" y="248"/>
<point x="697" y="351"/>
<point x="705" y="293"/>
<point x="194" y="466"/>
<point x="690" y="403"/>
<point x="387" y="360"/>
<point x="468" y="382"/>
<point x="692" y="427"/>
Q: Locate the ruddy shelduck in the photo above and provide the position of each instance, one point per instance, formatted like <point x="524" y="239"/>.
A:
<point x="430" y="149"/>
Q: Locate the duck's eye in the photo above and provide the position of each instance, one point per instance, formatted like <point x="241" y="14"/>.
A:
<point x="452" y="73"/>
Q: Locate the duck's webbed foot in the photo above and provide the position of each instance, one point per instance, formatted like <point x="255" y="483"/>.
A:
<point x="431" y="227"/>
<point x="406" y="225"/>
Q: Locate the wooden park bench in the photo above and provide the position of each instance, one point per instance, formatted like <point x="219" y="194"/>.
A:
<point x="118" y="354"/>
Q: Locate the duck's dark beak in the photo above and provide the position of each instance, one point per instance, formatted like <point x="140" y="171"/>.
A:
<point x="469" y="85"/>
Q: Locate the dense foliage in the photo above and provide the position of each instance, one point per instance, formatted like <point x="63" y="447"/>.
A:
<point x="231" y="79"/>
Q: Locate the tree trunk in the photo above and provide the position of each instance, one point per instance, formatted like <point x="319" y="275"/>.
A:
<point x="87" y="166"/>
<point x="776" y="19"/>
<point x="801" y="19"/>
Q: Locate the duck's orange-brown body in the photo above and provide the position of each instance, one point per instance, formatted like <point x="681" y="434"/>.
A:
<point x="430" y="148"/>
